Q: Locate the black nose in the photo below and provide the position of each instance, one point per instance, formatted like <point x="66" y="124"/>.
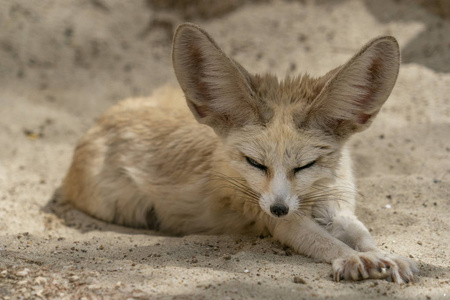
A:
<point x="279" y="210"/>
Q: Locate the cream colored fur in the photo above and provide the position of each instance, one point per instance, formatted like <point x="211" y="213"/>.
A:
<point x="269" y="157"/>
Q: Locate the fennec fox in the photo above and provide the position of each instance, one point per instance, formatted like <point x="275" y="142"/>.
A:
<point x="268" y="157"/>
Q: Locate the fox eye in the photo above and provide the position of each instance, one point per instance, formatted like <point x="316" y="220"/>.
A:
<point x="255" y="164"/>
<point x="304" y="167"/>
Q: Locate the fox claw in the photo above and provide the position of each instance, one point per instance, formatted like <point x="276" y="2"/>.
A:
<point x="374" y="265"/>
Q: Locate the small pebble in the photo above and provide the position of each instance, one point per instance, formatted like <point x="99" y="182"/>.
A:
<point x="23" y="273"/>
<point x="420" y="243"/>
<point x="277" y="251"/>
<point x="299" y="280"/>
<point x="40" y="280"/>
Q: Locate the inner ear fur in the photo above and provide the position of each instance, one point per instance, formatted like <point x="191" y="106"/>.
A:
<point x="354" y="94"/>
<point x="217" y="89"/>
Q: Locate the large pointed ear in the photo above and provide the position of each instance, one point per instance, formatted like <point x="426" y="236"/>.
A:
<point x="217" y="89"/>
<point x="354" y="94"/>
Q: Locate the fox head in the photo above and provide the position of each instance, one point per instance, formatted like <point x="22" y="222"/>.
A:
<point x="283" y="137"/>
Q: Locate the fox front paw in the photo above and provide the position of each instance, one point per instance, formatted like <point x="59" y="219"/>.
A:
<point x="374" y="265"/>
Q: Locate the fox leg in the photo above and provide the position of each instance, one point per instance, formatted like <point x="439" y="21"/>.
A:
<point x="346" y="227"/>
<point x="307" y="237"/>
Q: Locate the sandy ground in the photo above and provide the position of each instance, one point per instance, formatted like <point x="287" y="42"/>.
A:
<point x="62" y="63"/>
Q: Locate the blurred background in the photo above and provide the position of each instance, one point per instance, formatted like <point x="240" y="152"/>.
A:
<point x="83" y="55"/>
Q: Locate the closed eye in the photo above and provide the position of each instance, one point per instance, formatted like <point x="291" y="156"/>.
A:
<point x="255" y="164"/>
<point x="304" y="167"/>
